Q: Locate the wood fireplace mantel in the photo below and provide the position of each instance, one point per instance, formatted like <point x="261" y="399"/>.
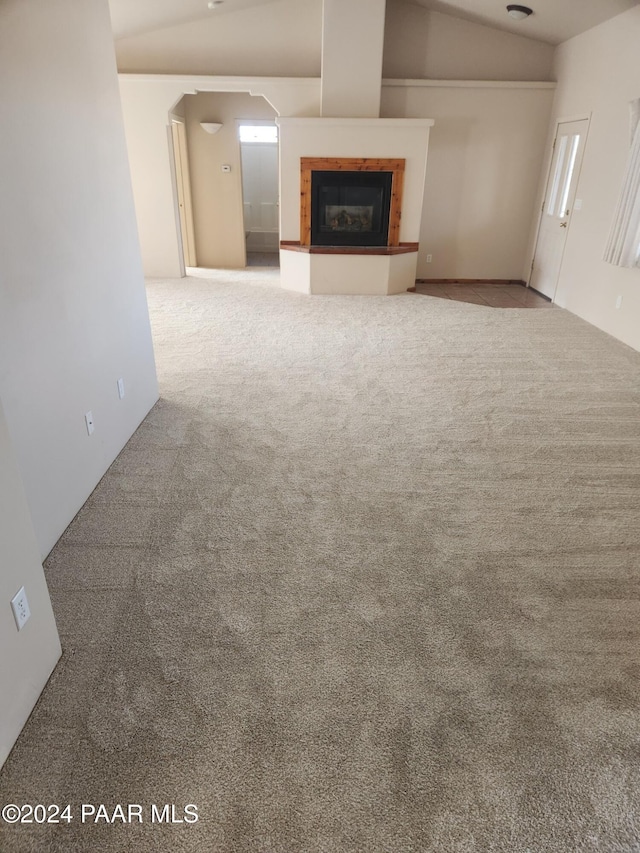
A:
<point x="351" y="164"/>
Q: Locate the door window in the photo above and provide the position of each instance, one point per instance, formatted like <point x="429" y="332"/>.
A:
<point x="563" y="173"/>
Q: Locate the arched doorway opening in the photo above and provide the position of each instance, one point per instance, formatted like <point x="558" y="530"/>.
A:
<point x="223" y="218"/>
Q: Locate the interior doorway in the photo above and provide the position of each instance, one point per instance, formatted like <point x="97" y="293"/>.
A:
<point x="208" y="181"/>
<point x="260" y="191"/>
<point x="558" y="206"/>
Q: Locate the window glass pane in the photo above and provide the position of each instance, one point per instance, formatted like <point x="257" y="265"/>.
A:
<point x="557" y="175"/>
<point x="564" y="196"/>
<point x="258" y="133"/>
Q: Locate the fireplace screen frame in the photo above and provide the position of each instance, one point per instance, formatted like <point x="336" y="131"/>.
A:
<point x="308" y="165"/>
<point x="350" y="208"/>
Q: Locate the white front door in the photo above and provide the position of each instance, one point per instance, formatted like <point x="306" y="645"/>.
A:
<point x="558" y="205"/>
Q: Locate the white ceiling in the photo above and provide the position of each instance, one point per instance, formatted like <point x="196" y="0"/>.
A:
<point x="552" y="21"/>
<point x="131" y="17"/>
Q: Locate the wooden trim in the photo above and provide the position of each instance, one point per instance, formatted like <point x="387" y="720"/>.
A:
<point x="501" y="281"/>
<point x="395" y="211"/>
<point x="401" y="249"/>
<point x="305" y="205"/>
<point x="352" y="164"/>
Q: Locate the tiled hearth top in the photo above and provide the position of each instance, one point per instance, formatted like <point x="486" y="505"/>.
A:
<point x="402" y="249"/>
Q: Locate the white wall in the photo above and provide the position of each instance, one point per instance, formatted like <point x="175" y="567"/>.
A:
<point x="278" y="39"/>
<point x="352" y="41"/>
<point x="27" y="658"/>
<point x="485" y="155"/>
<point x="429" y="45"/>
<point x="598" y="74"/>
<point x="178" y="110"/>
<point x="146" y="117"/>
<point x="73" y="313"/>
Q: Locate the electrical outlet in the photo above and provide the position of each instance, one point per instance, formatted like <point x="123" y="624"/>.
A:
<point x="89" y="422"/>
<point x="20" y="607"/>
<point x="121" y="388"/>
<point x="619" y="301"/>
<point x="429" y="258"/>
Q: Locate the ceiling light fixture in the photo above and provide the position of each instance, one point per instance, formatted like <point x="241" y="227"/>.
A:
<point x="213" y="4"/>
<point x="519" y="12"/>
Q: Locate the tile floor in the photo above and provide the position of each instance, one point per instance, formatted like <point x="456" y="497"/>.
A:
<point x="263" y="259"/>
<point x="493" y="295"/>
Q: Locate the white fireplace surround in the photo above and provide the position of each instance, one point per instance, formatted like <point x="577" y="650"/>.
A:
<point x="361" y="272"/>
<point x="357" y="272"/>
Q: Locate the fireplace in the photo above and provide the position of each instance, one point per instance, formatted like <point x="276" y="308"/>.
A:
<point x="349" y="221"/>
<point x="348" y="201"/>
<point x="350" y="208"/>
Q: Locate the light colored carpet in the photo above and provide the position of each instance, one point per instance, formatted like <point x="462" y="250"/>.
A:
<point x="366" y="580"/>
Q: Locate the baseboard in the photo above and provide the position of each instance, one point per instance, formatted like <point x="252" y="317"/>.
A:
<point x="471" y="281"/>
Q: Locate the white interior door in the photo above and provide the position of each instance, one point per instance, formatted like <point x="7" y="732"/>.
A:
<point x="558" y="205"/>
<point x="183" y="186"/>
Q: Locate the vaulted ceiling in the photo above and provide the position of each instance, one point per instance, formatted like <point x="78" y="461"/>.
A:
<point x="132" y="17"/>
<point x="552" y="21"/>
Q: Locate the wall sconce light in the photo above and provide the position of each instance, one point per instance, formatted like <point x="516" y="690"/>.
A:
<point x="210" y="126"/>
<point x="519" y="12"/>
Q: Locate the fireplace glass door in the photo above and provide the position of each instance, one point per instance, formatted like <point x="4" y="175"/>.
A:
<point x="350" y="208"/>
